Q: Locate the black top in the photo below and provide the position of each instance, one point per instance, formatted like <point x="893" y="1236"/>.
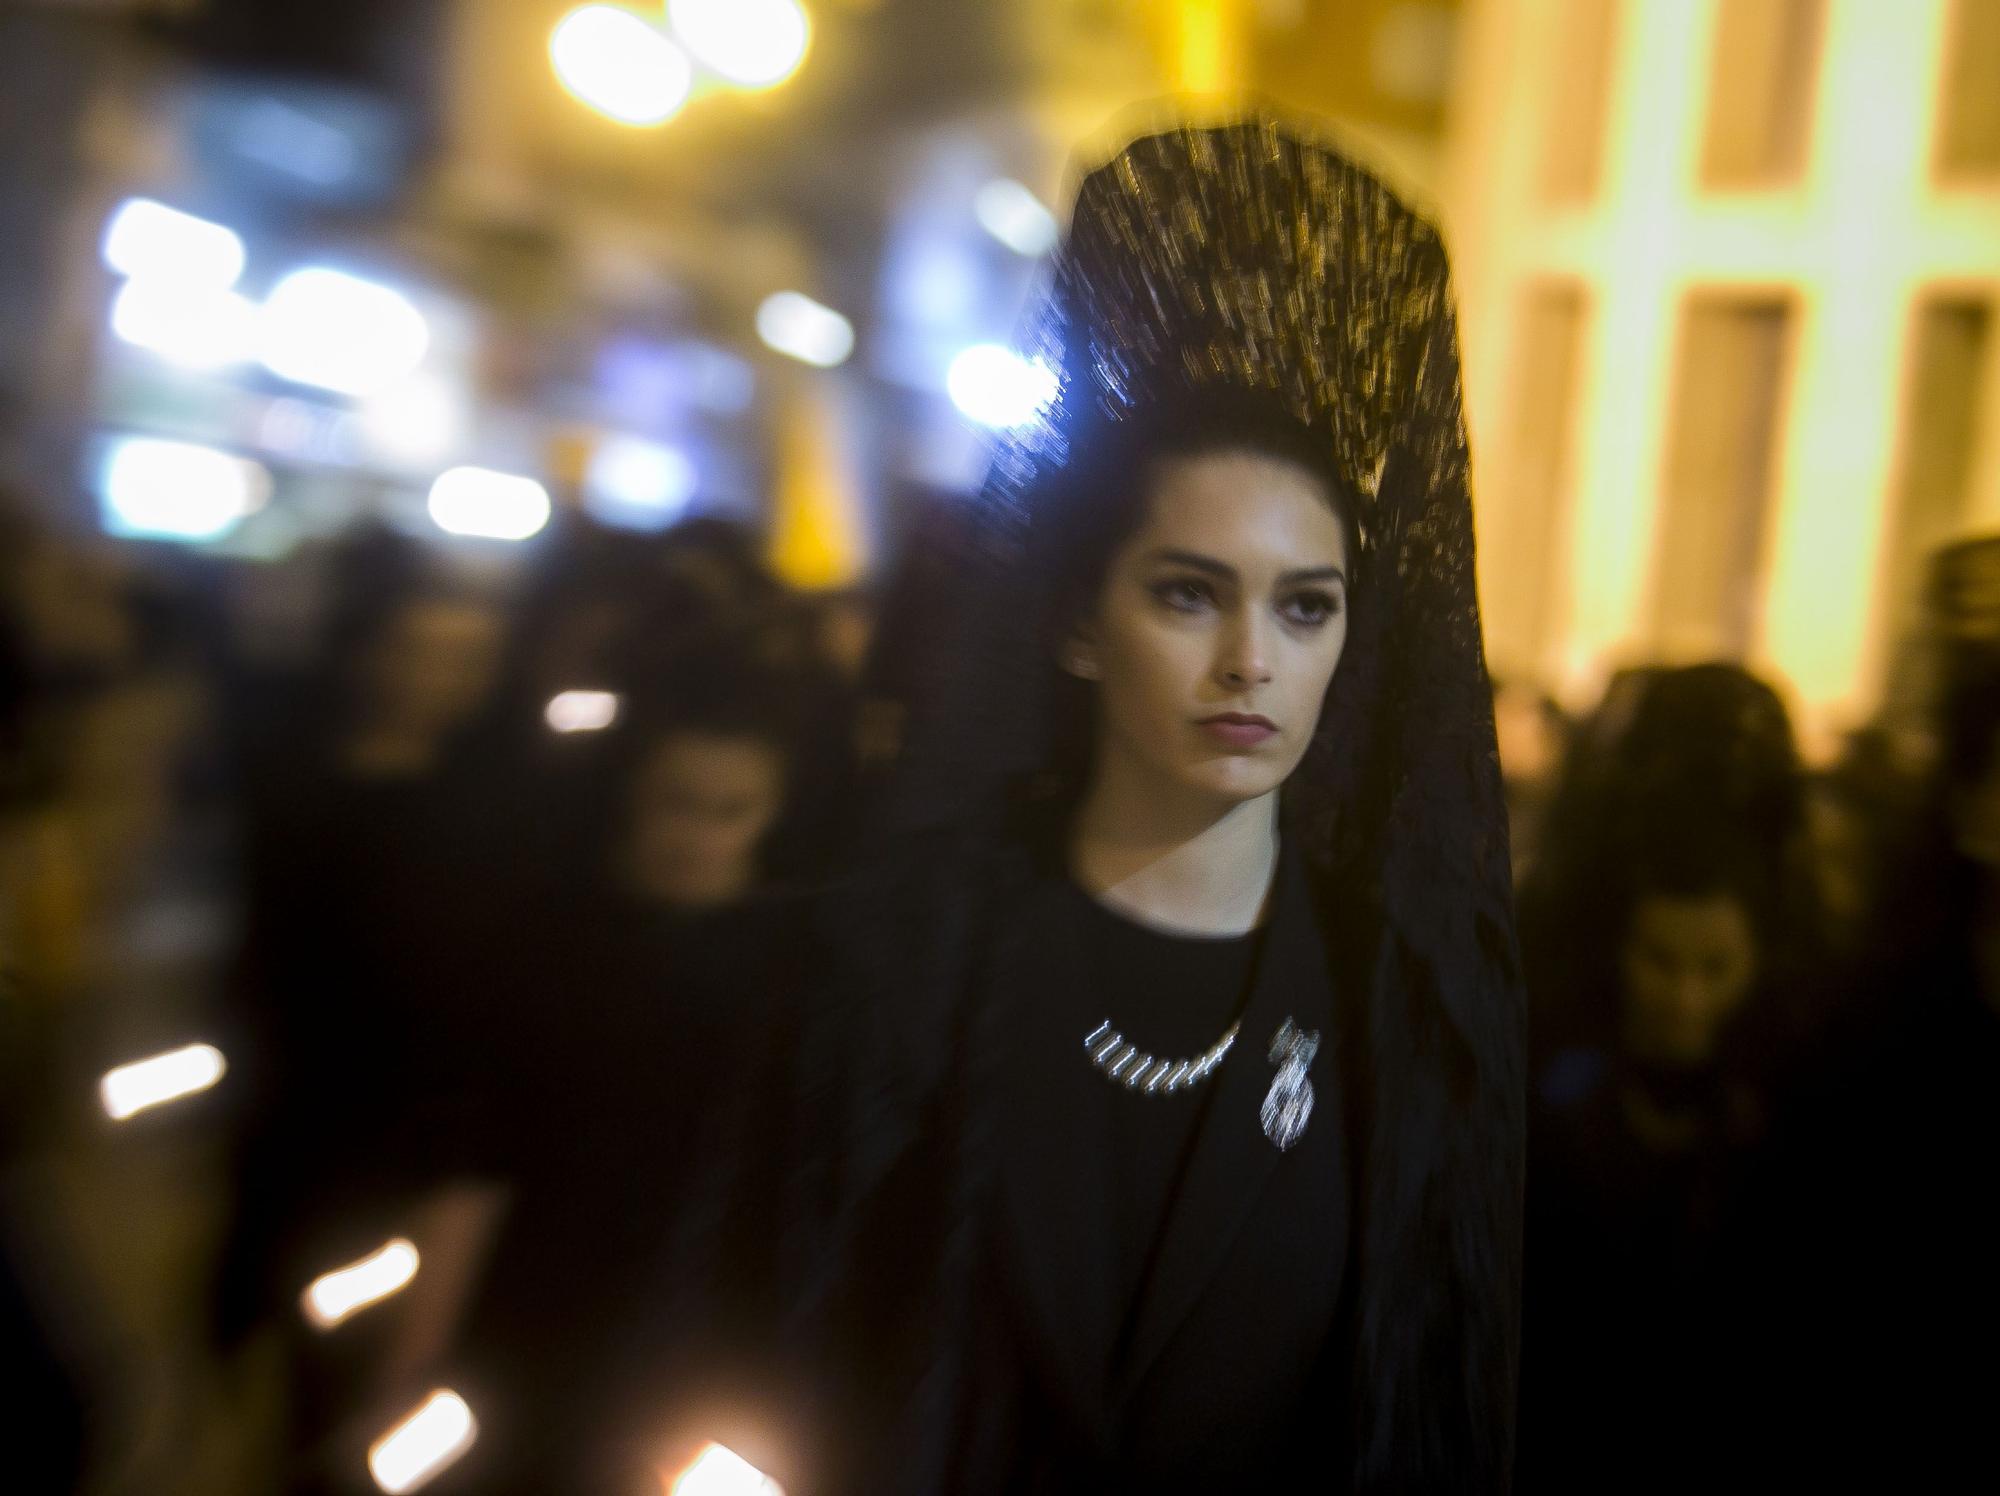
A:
<point x="1159" y="1283"/>
<point x="1172" y="996"/>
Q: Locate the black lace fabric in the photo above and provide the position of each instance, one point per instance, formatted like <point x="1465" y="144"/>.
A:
<point x="1247" y="258"/>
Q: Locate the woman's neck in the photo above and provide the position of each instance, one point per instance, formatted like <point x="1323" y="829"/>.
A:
<point x="1195" y="869"/>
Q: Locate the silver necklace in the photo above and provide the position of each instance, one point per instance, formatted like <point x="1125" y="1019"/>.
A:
<point x="1121" y="1060"/>
<point x="1287" y="1105"/>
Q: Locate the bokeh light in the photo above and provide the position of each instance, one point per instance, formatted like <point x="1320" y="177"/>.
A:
<point x="339" y="1295"/>
<point x="799" y="327"/>
<point x="173" y="490"/>
<point x="638" y="484"/>
<point x="752" y="43"/>
<point x="581" y="711"/>
<point x="147" y="239"/>
<point x="488" y="505"/>
<point x="620" y="65"/>
<point x="423" y="1444"/>
<point x="131" y="1089"/>
<point x="339" y="332"/>
<point x="193" y="327"/>
<point x="997" y="387"/>
<point x="1016" y="217"/>
<point x="718" y="1471"/>
<point x="425" y="419"/>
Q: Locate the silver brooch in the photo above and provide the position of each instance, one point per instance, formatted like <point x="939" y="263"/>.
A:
<point x="1289" y="1102"/>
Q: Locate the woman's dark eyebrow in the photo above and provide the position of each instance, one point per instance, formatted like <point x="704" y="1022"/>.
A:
<point x="1314" y="574"/>
<point x="1195" y="561"/>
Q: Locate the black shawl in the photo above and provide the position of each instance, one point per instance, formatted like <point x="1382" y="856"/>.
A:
<point x="1252" y="259"/>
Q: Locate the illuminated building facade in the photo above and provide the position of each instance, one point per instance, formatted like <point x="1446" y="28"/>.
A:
<point x="1730" y="272"/>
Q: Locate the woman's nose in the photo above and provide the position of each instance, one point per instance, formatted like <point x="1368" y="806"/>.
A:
<point x="1245" y="660"/>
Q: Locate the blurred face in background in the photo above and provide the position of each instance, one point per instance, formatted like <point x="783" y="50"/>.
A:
<point x="1530" y="744"/>
<point x="846" y="628"/>
<point x="434" y="666"/>
<point x="1218" y="628"/>
<point x="1689" y="963"/>
<point x="702" y="807"/>
<point x="1975" y="814"/>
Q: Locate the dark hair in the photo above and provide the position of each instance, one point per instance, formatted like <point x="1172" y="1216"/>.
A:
<point x="718" y="697"/>
<point x="1969" y="715"/>
<point x="1685" y="782"/>
<point x="1697" y="859"/>
<point x="798" y="713"/>
<point x="1099" y="498"/>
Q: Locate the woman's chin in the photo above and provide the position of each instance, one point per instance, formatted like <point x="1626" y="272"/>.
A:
<point x="1232" y="779"/>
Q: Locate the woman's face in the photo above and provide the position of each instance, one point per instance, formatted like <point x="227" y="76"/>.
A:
<point x="1218" y="628"/>
<point x="1689" y="964"/>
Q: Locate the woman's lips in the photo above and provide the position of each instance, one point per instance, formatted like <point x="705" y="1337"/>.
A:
<point x="1239" y="730"/>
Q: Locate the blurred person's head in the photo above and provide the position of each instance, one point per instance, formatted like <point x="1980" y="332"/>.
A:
<point x="716" y="562"/>
<point x="70" y="599"/>
<point x="729" y="600"/>
<point x="1971" y="755"/>
<point x="1203" y="559"/>
<point x="412" y="653"/>
<point x="1531" y="732"/>
<point x="1676" y="870"/>
<point x="1691" y="944"/>
<point x="844" y="628"/>
<point x="432" y="663"/>
<point x="1964" y="592"/>
<point x="710" y="774"/>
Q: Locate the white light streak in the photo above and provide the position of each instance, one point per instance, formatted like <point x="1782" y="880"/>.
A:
<point x="490" y="505"/>
<point x="800" y="328"/>
<point x="148" y="240"/>
<point x="423" y="1444"/>
<point x="997" y="387"/>
<point x="581" y="711"/>
<point x="132" y="1088"/>
<point x="336" y="1296"/>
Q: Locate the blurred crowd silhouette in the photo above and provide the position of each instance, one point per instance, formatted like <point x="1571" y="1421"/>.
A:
<point x="485" y="883"/>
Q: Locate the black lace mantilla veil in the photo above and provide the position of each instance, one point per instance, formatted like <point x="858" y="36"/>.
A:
<point x="1251" y="258"/>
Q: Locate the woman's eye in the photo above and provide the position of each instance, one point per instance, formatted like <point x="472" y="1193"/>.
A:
<point x="1310" y="609"/>
<point x="1184" y="594"/>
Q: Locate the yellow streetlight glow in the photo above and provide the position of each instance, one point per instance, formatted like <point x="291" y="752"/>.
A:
<point x="752" y="43"/>
<point x="620" y="65"/>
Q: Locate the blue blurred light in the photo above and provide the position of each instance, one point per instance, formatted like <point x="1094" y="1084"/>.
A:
<point x="637" y="484"/>
<point x="997" y="387"/>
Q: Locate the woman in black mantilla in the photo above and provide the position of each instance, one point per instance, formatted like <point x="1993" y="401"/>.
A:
<point x="1181" y="1058"/>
